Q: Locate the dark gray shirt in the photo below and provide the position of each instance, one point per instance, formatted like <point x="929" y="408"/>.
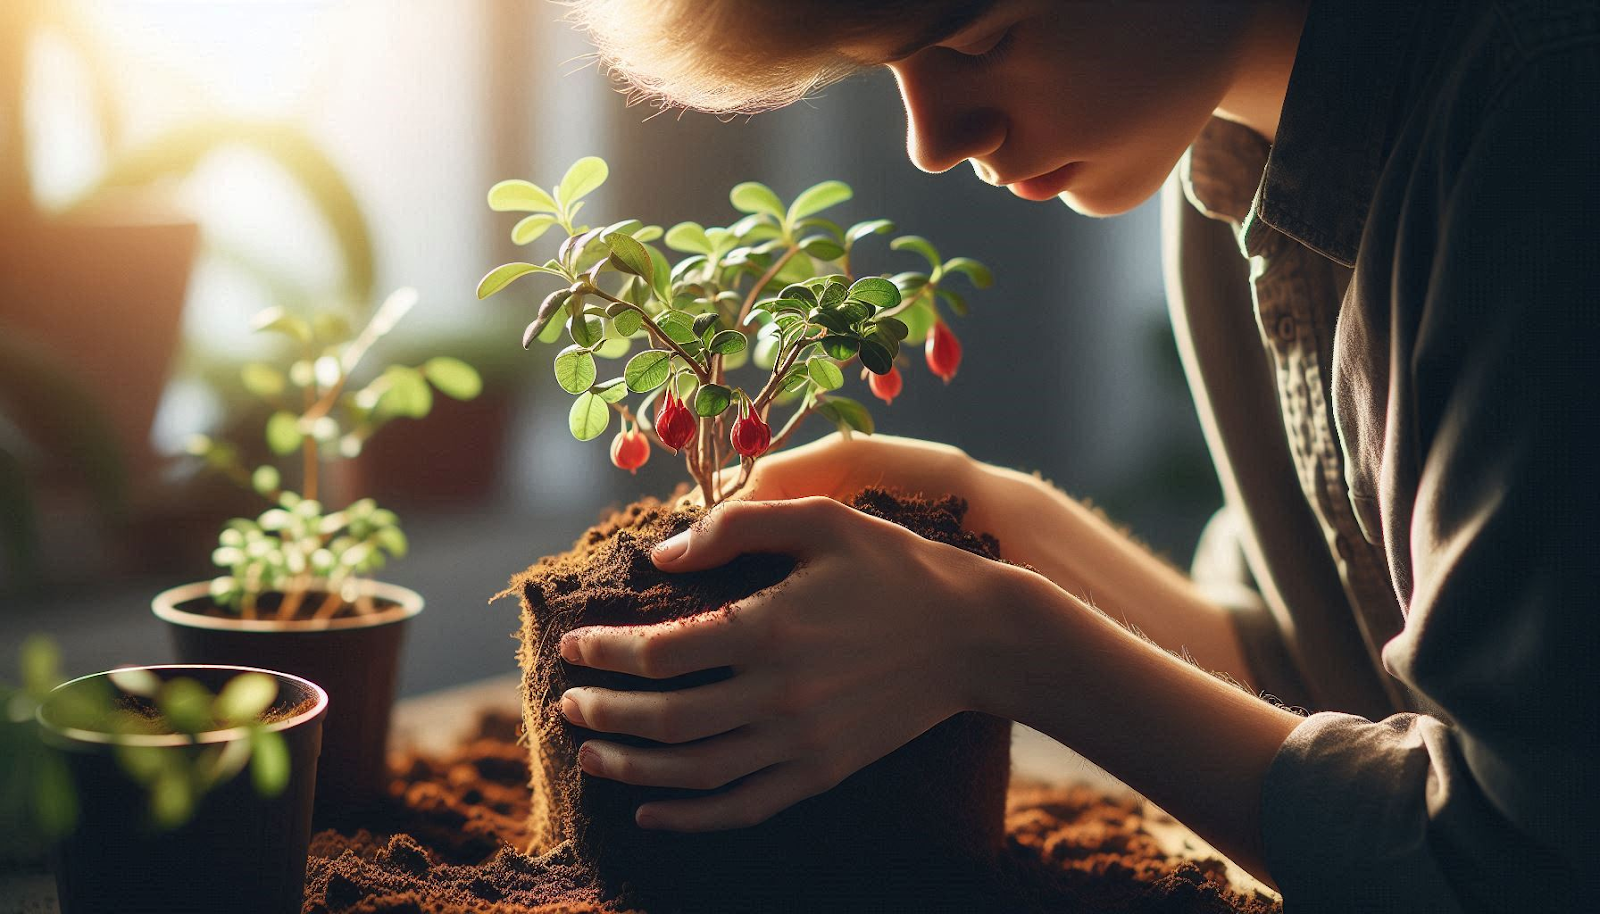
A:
<point x="1419" y="291"/>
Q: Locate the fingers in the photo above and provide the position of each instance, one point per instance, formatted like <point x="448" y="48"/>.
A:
<point x="705" y="765"/>
<point x="662" y="650"/>
<point x="752" y="801"/>
<point x="666" y="717"/>
<point x="799" y="528"/>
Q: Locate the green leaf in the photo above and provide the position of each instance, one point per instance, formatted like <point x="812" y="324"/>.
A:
<point x="825" y="373"/>
<point x="919" y="320"/>
<point x="712" y="400"/>
<point x="800" y="293"/>
<point x="407" y="393"/>
<point x="171" y="798"/>
<point x="186" y="705"/>
<point x="648" y="233"/>
<point x="677" y="325"/>
<point x="581" y="179"/>
<point x="840" y="347"/>
<point x="831" y="320"/>
<point x="766" y="352"/>
<point x="613" y="347"/>
<point x="136" y="682"/>
<point x="817" y="198"/>
<point x="392" y="540"/>
<point x="503" y="275"/>
<point x="956" y="301"/>
<point x="689" y="237"/>
<point x="727" y="342"/>
<point x="892" y="328"/>
<point x="847" y="414"/>
<point x="529" y="228"/>
<point x="920" y="245"/>
<point x="796" y="378"/>
<point x="586" y="329"/>
<point x="972" y="269"/>
<point x="875" y="357"/>
<point x="575" y="370"/>
<point x="876" y="291"/>
<point x="630" y="255"/>
<point x="704" y="322"/>
<point x="453" y="377"/>
<point x="245" y="698"/>
<point x="822" y="248"/>
<point x="612" y="390"/>
<point x="832" y="294"/>
<point x="520" y="195"/>
<point x="853" y="311"/>
<point x="589" y="417"/>
<point x="283" y="432"/>
<point x="269" y="762"/>
<point x="280" y="321"/>
<point x="265" y="480"/>
<point x="754" y="197"/>
<point x="262" y="380"/>
<point x="628" y="322"/>
<point x="40" y="661"/>
<point x="862" y="229"/>
<point x="648" y="370"/>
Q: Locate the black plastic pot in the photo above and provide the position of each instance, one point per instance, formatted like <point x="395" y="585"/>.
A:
<point x="241" y="852"/>
<point x="356" y="659"/>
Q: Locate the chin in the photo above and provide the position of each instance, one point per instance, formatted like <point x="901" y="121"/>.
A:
<point x="1103" y="198"/>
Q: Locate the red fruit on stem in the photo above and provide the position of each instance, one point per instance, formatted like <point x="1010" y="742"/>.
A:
<point x="675" y="425"/>
<point x="630" y="450"/>
<point x="886" y="386"/>
<point x="750" y="436"/>
<point x="943" y="351"/>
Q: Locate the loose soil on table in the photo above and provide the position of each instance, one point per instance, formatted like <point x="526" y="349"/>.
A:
<point x="447" y="843"/>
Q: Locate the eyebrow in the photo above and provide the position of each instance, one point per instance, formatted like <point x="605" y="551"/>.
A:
<point x="949" y="24"/>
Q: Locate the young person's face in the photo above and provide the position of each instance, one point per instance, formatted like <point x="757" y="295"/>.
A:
<point x="1092" y="101"/>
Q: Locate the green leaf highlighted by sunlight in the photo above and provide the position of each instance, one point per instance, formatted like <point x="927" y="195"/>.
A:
<point x="589" y="417"/>
<point x="521" y="195"/>
<point x="585" y="175"/>
<point x="245" y="698"/>
<point x="453" y="377"/>
<point x="817" y="198"/>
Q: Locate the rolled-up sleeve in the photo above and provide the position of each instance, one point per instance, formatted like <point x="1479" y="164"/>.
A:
<point x="1492" y="805"/>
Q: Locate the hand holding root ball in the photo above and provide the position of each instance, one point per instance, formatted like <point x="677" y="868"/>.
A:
<point x="834" y="667"/>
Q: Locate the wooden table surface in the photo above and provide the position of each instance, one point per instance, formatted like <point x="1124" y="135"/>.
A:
<point x="436" y="721"/>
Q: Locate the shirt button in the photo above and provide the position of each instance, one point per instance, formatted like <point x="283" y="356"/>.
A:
<point x="1342" y="546"/>
<point x="1285" y="328"/>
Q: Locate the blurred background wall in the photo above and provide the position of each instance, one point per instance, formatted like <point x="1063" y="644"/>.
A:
<point x="221" y="157"/>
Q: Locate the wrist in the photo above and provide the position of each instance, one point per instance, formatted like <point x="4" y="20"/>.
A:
<point x="1024" y="629"/>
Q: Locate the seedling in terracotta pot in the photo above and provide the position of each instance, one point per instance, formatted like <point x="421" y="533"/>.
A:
<point x="780" y="288"/>
<point x="297" y="592"/>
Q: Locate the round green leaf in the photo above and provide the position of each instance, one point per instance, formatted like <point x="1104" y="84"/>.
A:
<point x="520" y="195"/>
<point x="627" y="322"/>
<point x="269" y="762"/>
<point x="754" y="197"/>
<point x="847" y="414"/>
<point x="245" y="698"/>
<point x="822" y="248"/>
<point x="612" y="390"/>
<point x="728" y="341"/>
<point x="840" y="347"/>
<point x="876" y="291"/>
<point x="589" y="417"/>
<point x="575" y="370"/>
<point x="171" y="798"/>
<point x="711" y="400"/>
<point x="630" y="254"/>
<point x="582" y="178"/>
<point x="265" y="480"/>
<point x="648" y="370"/>
<point x="453" y="377"/>
<point x="283" y="432"/>
<point x="407" y="393"/>
<point x="766" y="352"/>
<point x="689" y="237"/>
<point x="529" y="228"/>
<point x="817" y="198"/>
<point x="586" y="330"/>
<point x="677" y="325"/>
<point x="825" y="373"/>
<point x="875" y="358"/>
<point x="186" y="705"/>
<point x="613" y="347"/>
<point x="262" y="380"/>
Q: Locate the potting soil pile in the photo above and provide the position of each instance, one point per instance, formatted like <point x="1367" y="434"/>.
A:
<point x="448" y="840"/>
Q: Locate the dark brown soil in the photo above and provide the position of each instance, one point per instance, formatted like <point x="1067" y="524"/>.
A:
<point x="136" y="714"/>
<point x="929" y="814"/>
<point x="445" y="845"/>
<point x="268" y="603"/>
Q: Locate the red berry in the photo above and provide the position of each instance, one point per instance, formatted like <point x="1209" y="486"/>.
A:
<point x="630" y="450"/>
<point x="675" y="425"/>
<point x="943" y="351"/>
<point x="750" y="436"/>
<point x="886" y="386"/>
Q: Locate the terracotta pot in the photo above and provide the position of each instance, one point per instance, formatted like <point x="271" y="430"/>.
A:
<point x="240" y="852"/>
<point x="356" y="659"/>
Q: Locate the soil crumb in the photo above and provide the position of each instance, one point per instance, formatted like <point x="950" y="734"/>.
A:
<point x="448" y="840"/>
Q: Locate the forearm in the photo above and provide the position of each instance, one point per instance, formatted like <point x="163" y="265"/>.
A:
<point x="1192" y="744"/>
<point x="1039" y="525"/>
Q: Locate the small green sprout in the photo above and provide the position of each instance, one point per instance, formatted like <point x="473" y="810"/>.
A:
<point x="777" y="288"/>
<point x="297" y="547"/>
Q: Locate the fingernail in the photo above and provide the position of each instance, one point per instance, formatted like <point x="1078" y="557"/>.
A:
<point x="569" y="648"/>
<point x="645" y="818"/>
<point x="571" y="711"/>
<point x="672" y="548"/>
<point x="589" y="761"/>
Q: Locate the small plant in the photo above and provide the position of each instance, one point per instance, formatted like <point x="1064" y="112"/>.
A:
<point x="778" y="288"/>
<point x="38" y="787"/>
<point x="297" y="548"/>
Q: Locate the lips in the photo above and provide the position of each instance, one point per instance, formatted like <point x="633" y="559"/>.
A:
<point x="1046" y="185"/>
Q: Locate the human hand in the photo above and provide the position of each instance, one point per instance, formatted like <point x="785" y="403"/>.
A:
<point x="838" y="467"/>
<point x="877" y="636"/>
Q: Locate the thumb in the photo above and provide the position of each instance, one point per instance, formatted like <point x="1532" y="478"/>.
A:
<point x="734" y="528"/>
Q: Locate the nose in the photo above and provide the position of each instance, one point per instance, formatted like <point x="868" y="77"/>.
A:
<point x="949" y="119"/>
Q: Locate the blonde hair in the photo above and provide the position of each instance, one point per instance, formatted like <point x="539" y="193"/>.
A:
<point x="744" y="56"/>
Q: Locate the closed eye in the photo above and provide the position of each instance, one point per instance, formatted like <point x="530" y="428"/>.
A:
<point x="989" y="50"/>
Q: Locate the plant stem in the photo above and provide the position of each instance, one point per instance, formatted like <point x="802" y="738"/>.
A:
<point x="627" y="416"/>
<point x="700" y="373"/>
<point x="755" y="290"/>
<point x="330" y="605"/>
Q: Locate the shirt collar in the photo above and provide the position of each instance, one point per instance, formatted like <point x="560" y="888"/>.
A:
<point x="1338" y="121"/>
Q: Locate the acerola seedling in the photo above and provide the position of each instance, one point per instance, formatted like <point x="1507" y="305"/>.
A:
<point x="777" y="289"/>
